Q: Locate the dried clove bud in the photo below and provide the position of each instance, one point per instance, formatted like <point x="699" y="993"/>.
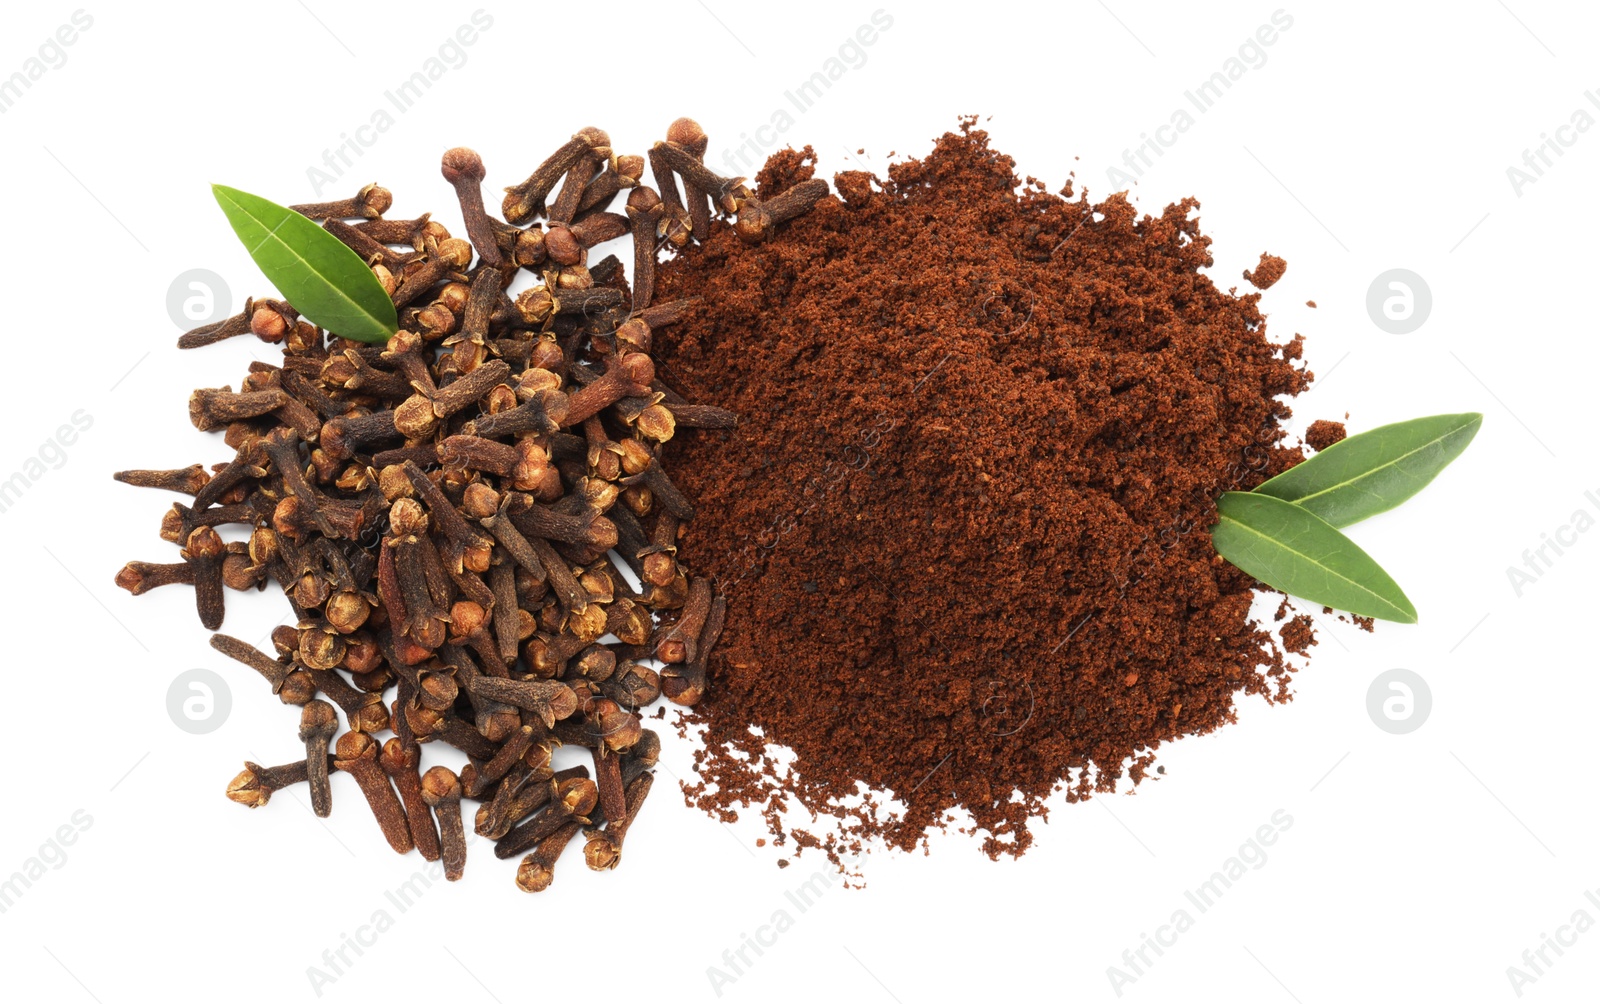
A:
<point x="685" y="683"/>
<point x="253" y="787"/>
<point x="399" y="760"/>
<point x="463" y="169"/>
<point x="549" y="700"/>
<point x="292" y="685"/>
<point x="523" y="202"/>
<point x="574" y="799"/>
<point x="357" y="755"/>
<point x="604" y="847"/>
<point x="371" y="202"/>
<point x="441" y="789"/>
<point x="188" y="480"/>
<point x="537" y="870"/>
<point x="204" y="553"/>
<point x="758" y="219"/>
<point x="317" y="726"/>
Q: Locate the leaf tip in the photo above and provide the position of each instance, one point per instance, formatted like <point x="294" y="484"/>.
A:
<point x="1408" y="610"/>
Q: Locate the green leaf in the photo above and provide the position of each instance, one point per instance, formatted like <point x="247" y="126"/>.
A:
<point x="326" y="282"/>
<point x="1375" y="471"/>
<point x="1289" y="548"/>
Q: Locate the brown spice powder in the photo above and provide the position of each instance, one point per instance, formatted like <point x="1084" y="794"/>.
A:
<point x="962" y="522"/>
<point x="1297" y="635"/>
<point x="1267" y="272"/>
<point x="1323" y="433"/>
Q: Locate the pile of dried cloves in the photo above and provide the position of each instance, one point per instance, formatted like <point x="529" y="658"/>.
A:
<point x="441" y="511"/>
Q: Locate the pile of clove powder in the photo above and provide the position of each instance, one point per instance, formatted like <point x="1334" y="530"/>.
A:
<point x="962" y="524"/>
<point x="447" y="514"/>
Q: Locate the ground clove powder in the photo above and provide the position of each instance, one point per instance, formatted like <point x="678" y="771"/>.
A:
<point x="962" y="522"/>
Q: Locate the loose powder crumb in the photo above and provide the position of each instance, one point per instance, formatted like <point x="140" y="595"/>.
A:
<point x="1297" y="635"/>
<point x="962" y="522"/>
<point x="1267" y="272"/>
<point x="1364" y="623"/>
<point x="1323" y="434"/>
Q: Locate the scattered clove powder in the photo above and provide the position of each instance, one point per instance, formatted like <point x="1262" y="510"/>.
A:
<point x="1267" y="272"/>
<point x="1323" y="433"/>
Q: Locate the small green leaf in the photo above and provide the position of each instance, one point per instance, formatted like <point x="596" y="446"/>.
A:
<point x="326" y="282"/>
<point x="1289" y="548"/>
<point x="1374" y="471"/>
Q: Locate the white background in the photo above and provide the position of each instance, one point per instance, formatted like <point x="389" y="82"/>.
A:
<point x="1375" y="136"/>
